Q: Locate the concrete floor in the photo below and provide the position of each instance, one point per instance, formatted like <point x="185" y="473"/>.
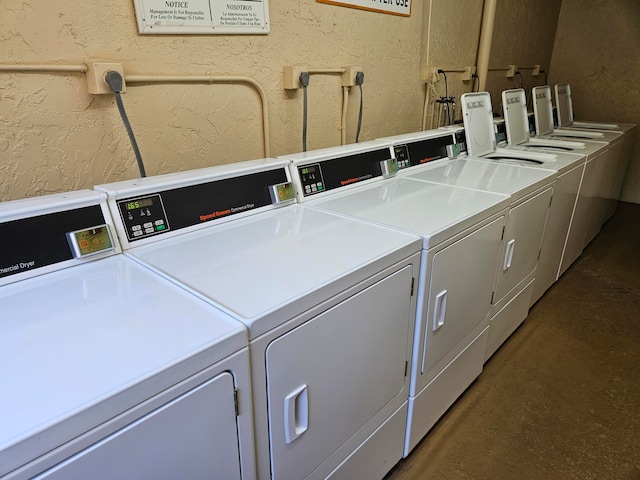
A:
<point x="561" y="398"/>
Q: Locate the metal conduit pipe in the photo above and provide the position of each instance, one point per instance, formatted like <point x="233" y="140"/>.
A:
<point x="43" y="68"/>
<point x="156" y="79"/>
<point x="345" y="98"/>
<point x="484" y="45"/>
<point x="343" y="119"/>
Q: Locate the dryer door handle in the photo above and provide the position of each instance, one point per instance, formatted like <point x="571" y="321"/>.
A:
<point x="440" y="310"/>
<point x="508" y="257"/>
<point x="296" y="413"/>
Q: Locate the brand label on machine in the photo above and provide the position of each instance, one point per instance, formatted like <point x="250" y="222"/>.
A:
<point x="182" y="207"/>
<point x="339" y="172"/>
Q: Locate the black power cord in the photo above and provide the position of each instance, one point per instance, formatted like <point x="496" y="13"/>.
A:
<point x="545" y="76"/>
<point x="114" y="80"/>
<point x="359" y="82"/>
<point x="304" y="83"/>
<point x="475" y="77"/>
<point x="447" y="118"/>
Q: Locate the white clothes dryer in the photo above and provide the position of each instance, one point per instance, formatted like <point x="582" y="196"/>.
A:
<point x="461" y="233"/>
<point x="109" y="370"/>
<point x="530" y="191"/>
<point x="327" y="301"/>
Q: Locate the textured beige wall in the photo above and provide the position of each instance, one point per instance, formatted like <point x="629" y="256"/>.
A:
<point x="452" y="31"/>
<point x="523" y="35"/>
<point x="55" y="136"/>
<point x="596" y="50"/>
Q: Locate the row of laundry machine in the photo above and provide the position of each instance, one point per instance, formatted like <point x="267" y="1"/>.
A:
<point x="310" y="316"/>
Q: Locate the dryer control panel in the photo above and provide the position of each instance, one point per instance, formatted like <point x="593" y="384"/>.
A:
<point x="419" y="152"/>
<point x="331" y="173"/>
<point x="143" y="216"/>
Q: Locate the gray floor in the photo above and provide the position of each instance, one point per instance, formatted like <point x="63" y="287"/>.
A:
<point x="561" y="398"/>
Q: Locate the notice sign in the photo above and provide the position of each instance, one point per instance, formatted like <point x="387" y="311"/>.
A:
<point x="394" y="7"/>
<point x="202" y="16"/>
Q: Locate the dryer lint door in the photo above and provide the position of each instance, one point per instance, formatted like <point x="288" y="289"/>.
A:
<point x="328" y="377"/>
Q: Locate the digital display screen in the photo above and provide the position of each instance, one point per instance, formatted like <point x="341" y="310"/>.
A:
<point x="90" y="241"/>
<point x="143" y="202"/>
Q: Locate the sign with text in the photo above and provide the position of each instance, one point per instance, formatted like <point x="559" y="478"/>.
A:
<point x="202" y="16"/>
<point x="393" y="7"/>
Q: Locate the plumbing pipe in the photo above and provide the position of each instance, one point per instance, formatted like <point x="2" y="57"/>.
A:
<point x="345" y="98"/>
<point x="484" y="46"/>
<point x="155" y="79"/>
<point x="343" y="121"/>
<point x="43" y="68"/>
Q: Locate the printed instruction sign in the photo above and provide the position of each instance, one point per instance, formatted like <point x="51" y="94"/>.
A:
<point x="202" y="16"/>
<point x="394" y="7"/>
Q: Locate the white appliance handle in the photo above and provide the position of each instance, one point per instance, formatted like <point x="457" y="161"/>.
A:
<point x="440" y="310"/>
<point x="509" y="254"/>
<point x="296" y="413"/>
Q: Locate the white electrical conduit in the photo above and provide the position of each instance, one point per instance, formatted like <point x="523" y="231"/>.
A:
<point x="343" y="121"/>
<point x="155" y="79"/>
<point x="26" y="68"/>
<point x="345" y="98"/>
<point x="44" y="68"/>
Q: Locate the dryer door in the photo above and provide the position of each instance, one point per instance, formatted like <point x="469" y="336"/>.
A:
<point x="194" y="436"/>
<point x="330" y="376"/>
<point x="523" y="240"/>
<point x="462" y="280"/>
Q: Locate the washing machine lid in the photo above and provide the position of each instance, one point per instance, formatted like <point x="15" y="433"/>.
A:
<point x="478" y="123"/>
<point x="564" y="107"/>
<point x="543" y="109"/>
<point x="513" y="180"/>
<point x="84" y="344"/>
<point x="266" y="269"/>
<point x="435" y="212"/>
<point x="514" y="104"/>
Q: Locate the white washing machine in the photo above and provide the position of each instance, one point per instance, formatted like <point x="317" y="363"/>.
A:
<point x="530" y="191"/>
<point x="564" y="105"/>
<point x="109" y="370"/>
<point x="328" y="303"/>
<point x="461" y="232"/>
<point x="602" y="180"/>
<point x="621" y="138"/>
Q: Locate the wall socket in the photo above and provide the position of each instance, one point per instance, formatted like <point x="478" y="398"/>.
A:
<point x="432" y="75"/>
<point x="349" y="76"/>
<point x="536" y="70"/>
<point x="468" y="73"/>
<point x="291" y="77"/>
<point x="95" y="77"/>
<point x="511" y="71"/>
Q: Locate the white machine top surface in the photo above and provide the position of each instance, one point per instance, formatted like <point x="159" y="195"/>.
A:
<point x="267" y="268"/>
<point x="487" y="175"/>
<point x="435" y="212"/>
<point x="105" y="330"/>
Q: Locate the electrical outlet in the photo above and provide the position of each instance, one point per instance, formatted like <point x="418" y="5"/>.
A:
<point x="467" y="74"/>
<point x="95" y="77"/>
<point x="432" y="75"/>
<point x="349" y="76"/>
<point x="536" y="70"/>
<point x="511" y="71"/>
<point x="292" y="77"/>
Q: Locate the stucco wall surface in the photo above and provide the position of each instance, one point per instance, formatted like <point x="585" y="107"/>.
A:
<point x="54" y="136"/>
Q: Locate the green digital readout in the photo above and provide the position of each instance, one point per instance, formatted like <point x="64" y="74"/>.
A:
<point x="143" y="202"/>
